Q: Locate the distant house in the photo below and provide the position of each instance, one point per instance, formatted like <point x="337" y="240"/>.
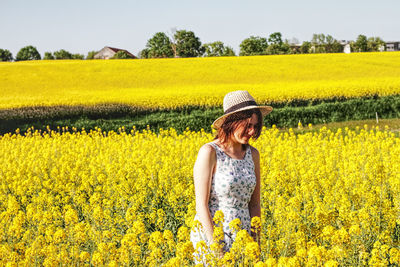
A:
<point x="108" y="52"/>
<point x="295" y="48"/>
<point x="347" y="49"/>
<point x="392" y="46"/>
<point x="346" y="46"/>
<point x="344" y="43"/>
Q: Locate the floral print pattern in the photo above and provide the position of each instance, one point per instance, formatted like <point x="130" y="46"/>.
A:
<point x="231" y="188"/>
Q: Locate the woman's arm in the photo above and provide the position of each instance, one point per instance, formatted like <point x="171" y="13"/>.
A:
<point x="255" y="201"/>
<point x="202" y="173"/>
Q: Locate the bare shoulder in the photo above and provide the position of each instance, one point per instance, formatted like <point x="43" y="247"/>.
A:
<point x="254" y="151"/>
<point x="206" y="160"/>
<point x="207" y="151"/>
<point x="255" y="154"/>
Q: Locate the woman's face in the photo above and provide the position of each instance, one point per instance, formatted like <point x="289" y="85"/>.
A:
<point x="242" y="134"/>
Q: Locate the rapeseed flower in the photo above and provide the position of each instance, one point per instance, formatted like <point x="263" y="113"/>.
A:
<point x="97" y="198"/>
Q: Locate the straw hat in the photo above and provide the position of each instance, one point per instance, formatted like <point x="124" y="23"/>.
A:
<point x="237" y="101"/>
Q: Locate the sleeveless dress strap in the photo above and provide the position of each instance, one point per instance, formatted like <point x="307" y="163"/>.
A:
<point x="222" y="153"/>
<point x="217" y="149"/>
<point x="248" y="151"/>
<point x="214" y="145"/>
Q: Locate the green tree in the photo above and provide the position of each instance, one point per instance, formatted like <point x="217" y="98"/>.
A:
<point x="276" y="49"/>
<point x="144" y="53"/>
<point x="48" y="56"/>
<point x="321" y="43"/>
<point x="217" y="49"/>
<point x="337" y="47"/>
<point x="276" y="45"/>
<point x="77" y="56"/>
<point x="361" y="44"/>
<point x="28" y="53"/>
<point x="121" y="55"/>
<point x="254" y="45"/>
<point x="5" y="55"/>
<point x="91" y="54"/>
<point x="305" y="47"/>
<point x="332" y="45"/>
<point x="275" y="38"/>
<point x="187" y="44"/>
<point x="159" y="46"/>
<point x="62" y="54"/>
<point x="318" y="43"/>
<point x="329" y="40"/>
<point x="375" y="44"/>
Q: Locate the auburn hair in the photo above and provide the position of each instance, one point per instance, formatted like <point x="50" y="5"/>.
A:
<point x="237" y="119"/>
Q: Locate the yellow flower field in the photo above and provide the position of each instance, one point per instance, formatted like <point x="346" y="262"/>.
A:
<point x="122" y="199"/>
<point x="171" y="83"/>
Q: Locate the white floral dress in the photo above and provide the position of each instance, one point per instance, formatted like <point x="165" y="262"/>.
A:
<point x="231" y="188"/>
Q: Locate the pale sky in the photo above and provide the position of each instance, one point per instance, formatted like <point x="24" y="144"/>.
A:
<point x="86" y="25"/>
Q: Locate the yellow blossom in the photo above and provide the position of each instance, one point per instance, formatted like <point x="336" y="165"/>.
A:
<point x="218" y="218"/>
<point x="235" y="224"/>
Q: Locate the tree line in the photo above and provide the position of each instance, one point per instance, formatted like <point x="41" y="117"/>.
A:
<point x="185" y="43"/>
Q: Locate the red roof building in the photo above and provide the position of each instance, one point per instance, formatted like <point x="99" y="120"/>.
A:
<point x="108" y="52"/>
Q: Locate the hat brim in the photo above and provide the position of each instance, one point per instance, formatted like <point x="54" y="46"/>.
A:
<point x="265" y="110"/>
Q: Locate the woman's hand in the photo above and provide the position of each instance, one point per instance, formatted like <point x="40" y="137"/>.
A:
<point x="217" y="249"/>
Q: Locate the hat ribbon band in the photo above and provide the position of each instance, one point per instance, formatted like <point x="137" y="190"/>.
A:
<point x="240" y="105"/>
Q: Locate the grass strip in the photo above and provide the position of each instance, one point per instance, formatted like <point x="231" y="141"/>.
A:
<point x="113" y="116"/>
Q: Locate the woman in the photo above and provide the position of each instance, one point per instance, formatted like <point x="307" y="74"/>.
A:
<point x="227" y="170"/>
